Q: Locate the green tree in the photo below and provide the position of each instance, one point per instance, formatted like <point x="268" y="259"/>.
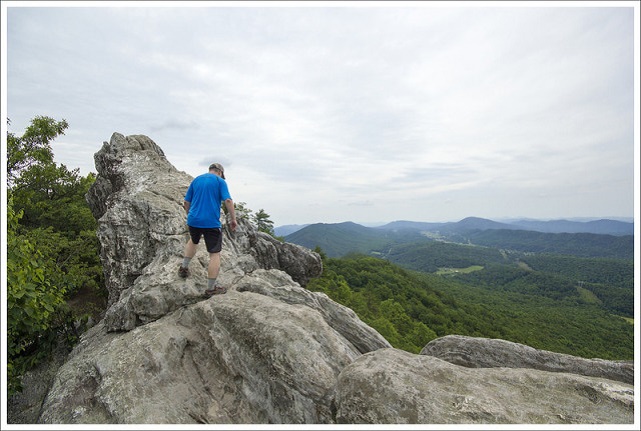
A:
<point x="242" y="211"/>
<point x="321" y="253"/>
<point x="387" y="330"/>
<point x="32" y="149"/>
<point x="51" y="200"/>
<point x="48" y="194"/>
<point x="263" y="223"/>
<point x="32" y="301"/>
<point x="53" y="251"/>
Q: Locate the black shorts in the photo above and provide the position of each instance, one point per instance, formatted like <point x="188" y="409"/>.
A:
<point x="213" y="237"/>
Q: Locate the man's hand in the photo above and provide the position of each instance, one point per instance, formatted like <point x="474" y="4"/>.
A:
<point x="233" y="225"/>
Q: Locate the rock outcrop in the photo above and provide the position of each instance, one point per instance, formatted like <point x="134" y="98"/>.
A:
<point x="137" y="198"/>
<point x="491" y="353"/>
<point x="392" y="386"/>
<point x="269" y="351"/>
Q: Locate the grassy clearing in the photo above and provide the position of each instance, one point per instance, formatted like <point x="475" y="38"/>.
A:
<point x="454" y="271"/>
<point x="588" y="296"/>
<point x="630" y="320"/>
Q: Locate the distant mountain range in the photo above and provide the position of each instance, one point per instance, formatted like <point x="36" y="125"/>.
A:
<point x="596" y="238"/>
<point x="602" y="226"/>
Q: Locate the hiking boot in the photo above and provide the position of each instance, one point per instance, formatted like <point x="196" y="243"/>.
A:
<point x="217" y="290"/>
<point x="183" y="272"/>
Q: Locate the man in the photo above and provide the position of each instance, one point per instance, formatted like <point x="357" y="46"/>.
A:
<point x="202" y="204"/>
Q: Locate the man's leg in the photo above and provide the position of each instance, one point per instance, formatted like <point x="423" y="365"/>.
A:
<point x="214" y="266"/>
<point x="190" y="251"/>
<point x="213" y="269"/>
<point x="213" y="241"/>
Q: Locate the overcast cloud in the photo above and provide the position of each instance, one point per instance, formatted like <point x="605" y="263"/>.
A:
<point x="364" y="113"/>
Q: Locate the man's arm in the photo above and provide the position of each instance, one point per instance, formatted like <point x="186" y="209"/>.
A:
<point x="186" y="206"/>
<point x="229" y="204"/>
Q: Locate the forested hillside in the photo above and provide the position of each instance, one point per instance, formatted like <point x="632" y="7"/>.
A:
<point x="411" y="308"/>
<point x="576" y="244"/>
<point x="607" y="282"/>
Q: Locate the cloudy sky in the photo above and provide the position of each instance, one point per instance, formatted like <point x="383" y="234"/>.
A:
<point x="338" y="111"/>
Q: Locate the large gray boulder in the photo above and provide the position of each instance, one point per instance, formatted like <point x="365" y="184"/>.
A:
<point x="477" y="352"/>
<point x="393" y="386"/>
<point x="238" y="358"/>
<point x="269" y="351"/>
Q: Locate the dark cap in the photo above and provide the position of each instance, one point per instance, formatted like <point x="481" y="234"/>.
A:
<point x="219" y="168"/>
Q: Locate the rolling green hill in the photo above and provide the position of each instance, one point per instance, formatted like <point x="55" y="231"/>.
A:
<point x="343" y="238"/>
<point x="430" y="256"/>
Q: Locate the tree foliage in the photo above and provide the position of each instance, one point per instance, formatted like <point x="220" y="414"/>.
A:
<point x="32" y="149"/>
<point x="381" y="294"/>
<point x="263" y="222"/>
<point x="52" y="248"/>
<point x="32" y="300"/>
<point x="260" y="220"/>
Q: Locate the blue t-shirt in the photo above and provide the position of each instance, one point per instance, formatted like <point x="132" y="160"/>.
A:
<point x="205" y="195"/>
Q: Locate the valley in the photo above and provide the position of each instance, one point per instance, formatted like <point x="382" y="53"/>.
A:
<point x="565" y="292"/>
